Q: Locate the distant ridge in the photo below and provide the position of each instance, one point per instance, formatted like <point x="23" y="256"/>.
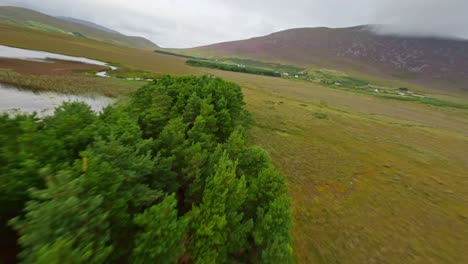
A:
<point x="80" y="28"/>
<point x="88" y="24"/>
<point x="422" y="59"/>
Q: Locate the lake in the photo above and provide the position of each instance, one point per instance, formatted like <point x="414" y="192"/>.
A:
<point x="36" y="55"/>
<point x="15" y="100"/>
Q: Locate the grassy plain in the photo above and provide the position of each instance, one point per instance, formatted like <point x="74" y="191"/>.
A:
<point x="372" y="180"/>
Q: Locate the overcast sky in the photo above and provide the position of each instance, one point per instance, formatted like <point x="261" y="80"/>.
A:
<point x="189" y="23"/>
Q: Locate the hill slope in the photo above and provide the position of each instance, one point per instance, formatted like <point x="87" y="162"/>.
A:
<point x="88" y="24"/>
<point x="422" y="59"/>
<point x="32" y="19"/>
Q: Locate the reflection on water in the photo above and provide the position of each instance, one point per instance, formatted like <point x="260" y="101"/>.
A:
<point x="14" y="100"/>
<point x="35" y="55"/>
<point x="103" y="74"/>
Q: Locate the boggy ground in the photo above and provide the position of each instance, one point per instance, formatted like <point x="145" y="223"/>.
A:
<point x="52" y="67"/>
<point x="372" y="180"/>
<point x="62" y="76"/>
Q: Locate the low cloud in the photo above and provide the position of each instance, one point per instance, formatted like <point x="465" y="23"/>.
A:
<point x="447" y="18"/>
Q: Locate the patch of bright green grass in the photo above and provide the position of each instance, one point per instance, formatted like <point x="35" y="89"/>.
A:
<point x="277" y="67"/>
<point x="334" y="78"/>
<point x="243" y="62"/>
<point x="338" y="80"/>
<point x="39" y="26"/>
<point x="232" y="67"/>
<point x="429" y="101"/>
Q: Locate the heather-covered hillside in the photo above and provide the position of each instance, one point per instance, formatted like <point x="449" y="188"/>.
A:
<point x="356" y="48"/>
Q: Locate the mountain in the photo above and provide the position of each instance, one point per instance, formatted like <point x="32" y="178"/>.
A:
<point x="88" y="24"/>
<point x="357" y="48"/>
<point x="36" y="20"/>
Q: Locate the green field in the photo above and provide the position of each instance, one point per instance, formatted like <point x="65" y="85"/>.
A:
<point x="339" y="80"/>
<point x="372" y="180"/>
<point x="232" y="67"/>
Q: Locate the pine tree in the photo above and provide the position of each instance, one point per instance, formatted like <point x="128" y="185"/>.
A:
<point x="192" y="109"/>
<point x="64" y="218"/>
<point x="170" y="147"/>
<point x="153" y="111"/>
<point x="69" y="131"/>
<point x="272" y="231"/>
<point x="217" y="224"/>
<point x="19" y="163"/>
<point x="168" y="175"/>
<point x="162" y="234"/>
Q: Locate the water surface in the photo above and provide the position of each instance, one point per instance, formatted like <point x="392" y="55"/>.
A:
<point x="36" y="55"/>
<point x="103" y="74"/>
<point x="14" y="100"/>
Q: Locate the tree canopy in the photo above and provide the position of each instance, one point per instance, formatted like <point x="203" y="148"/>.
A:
<point x="166" y="177"/>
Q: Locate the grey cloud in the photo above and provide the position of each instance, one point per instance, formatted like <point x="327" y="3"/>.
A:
<point x="443" y="18"/>
<point x="178" y="23"/>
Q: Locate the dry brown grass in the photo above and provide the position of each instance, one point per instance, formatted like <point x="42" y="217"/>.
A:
<point x="367" y="188"/>
<point x="72" y="83"/>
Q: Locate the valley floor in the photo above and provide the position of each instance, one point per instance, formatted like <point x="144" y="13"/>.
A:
<point x="366" y="187"/>
<point x="372" y="180"/>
